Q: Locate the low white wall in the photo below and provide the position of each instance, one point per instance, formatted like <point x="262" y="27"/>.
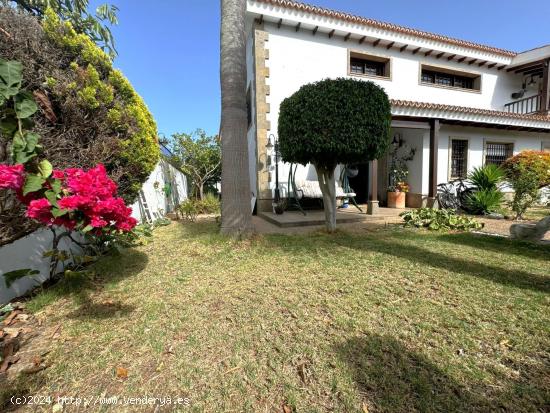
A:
<point x="28" y="253"/>
<point x="158" y="201"/>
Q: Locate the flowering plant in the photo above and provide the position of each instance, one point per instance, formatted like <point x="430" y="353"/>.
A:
<point x="402" y="187"/>
<point x="73" y="198"/>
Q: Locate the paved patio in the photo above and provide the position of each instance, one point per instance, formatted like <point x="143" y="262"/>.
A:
<point x="296" y="219"/>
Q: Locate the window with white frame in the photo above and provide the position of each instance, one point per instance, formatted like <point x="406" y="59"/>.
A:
<point x="497" y="152"/>
<point x="459" y="158"/>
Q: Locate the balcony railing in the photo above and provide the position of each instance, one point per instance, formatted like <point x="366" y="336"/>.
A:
<point x="532" y="104"/>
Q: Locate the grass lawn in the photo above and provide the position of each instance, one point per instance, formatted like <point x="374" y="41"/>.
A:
<point x="385" y="321"/>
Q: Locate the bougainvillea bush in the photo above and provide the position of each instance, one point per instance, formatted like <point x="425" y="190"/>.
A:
<point x="88" y="112"/>
<point x="72" y="198"/>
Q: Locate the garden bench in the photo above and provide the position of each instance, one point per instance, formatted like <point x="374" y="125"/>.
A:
<point x="306" y="188"/>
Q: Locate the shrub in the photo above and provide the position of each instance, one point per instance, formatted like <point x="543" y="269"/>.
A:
<point x="189" y="209"/>
<point x="487" y="177"/>
<point x="525" y="182"/>
<point x="210" y="204"/>
<point x="486" y="196"/>
<point x="438" y="219"/>
<point x="527" y="172"/>
<point x="89" y="113"/>
<point x="192" y="207"/>
<point x="538" y="162"/>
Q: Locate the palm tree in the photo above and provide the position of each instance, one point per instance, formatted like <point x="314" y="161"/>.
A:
<point x="236" y="210"/>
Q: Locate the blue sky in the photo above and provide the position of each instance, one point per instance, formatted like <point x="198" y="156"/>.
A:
<point x="169" y="49"/>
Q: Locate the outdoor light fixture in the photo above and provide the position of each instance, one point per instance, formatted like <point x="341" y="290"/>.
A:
<point x="397" y="141"/>
<point x="269" y="146"/>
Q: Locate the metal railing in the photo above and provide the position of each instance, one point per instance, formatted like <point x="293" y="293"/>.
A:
<point x="532" y="104"/>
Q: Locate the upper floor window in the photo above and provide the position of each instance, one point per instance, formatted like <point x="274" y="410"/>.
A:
<point x="497" y="153"/>
<point x="450" y="78"/>
<point x="367" y="65"/>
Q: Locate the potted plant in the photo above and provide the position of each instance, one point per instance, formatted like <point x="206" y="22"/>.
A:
<point x="398" y="186"/>
<point x="397" y="194"/>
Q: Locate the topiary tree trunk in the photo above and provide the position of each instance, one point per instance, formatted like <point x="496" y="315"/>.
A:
<point x="327" y="184"/>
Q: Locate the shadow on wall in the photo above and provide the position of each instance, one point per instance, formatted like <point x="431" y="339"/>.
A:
<point x="395" y="379"/>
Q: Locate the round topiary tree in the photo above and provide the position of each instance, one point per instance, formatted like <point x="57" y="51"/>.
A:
<point x="331" y="122"/>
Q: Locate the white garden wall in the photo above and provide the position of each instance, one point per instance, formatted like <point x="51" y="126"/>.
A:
<point x="28" y="253"/>
<point x="163" y="191"/>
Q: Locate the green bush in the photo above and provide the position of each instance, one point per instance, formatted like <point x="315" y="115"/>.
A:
<point x="525" y="182"/>
<point x="487" y="196"/>
<point x="486" y="177"/>
<point x="90" y="113"/>
<point x="189" y="209"/>
<point x="192" y="207"/>
<point x="438" y="219"/>
<point x="484" y="201"/>
<point x="527" y="172"/>
<point x="210" y="204"/>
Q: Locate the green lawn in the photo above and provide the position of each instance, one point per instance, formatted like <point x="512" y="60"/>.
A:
<point x="386" y="321"/>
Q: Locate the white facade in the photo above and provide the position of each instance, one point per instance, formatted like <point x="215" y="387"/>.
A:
<point x="306" y="44"/>
<point x="163" y="191"/>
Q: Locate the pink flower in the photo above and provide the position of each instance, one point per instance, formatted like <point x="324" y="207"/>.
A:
<point x="97" y="222"/>
<point x="40" y="210"/>
<point x="57" y="174"/>
<point x="72" y="202"/>
<point x="12" y="176"/>
<point x="127" y="225"/>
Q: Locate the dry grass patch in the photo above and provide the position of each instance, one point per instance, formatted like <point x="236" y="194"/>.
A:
<point x="391" y="320"/>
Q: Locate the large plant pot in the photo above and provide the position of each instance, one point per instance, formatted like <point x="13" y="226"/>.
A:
<point x="396" y="199"/>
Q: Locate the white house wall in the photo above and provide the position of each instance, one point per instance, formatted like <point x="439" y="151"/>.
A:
<point x="153" y="189"/>
<point x="297" y="58"/>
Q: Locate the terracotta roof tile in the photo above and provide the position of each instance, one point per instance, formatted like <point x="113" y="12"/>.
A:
<point x="387" y="26"/>
<point x="468" y="110"/>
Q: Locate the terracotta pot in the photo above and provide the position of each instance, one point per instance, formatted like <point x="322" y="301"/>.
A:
<point x="396" y="199"/>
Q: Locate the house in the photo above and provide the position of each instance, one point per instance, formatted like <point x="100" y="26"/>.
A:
<point x="459" y="104"/>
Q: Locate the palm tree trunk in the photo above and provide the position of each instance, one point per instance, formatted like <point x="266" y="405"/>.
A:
<point x="236" y="211"/>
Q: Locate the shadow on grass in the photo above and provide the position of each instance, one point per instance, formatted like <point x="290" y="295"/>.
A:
<point x="108" y="269"/>
<point x="394" y="379"/>
<point x="499" y="245"/>
<point x="397" y="244"/>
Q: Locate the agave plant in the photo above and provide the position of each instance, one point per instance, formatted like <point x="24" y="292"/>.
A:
<point x="487" y="177"/>
<point x="484" y="201"/>
<point x="487" y="196"/>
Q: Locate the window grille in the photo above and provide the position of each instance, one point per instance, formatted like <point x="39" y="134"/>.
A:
<point x="447" y="79"/>
<point x="459" y="158"/>
<point x="497" y="153"/>
<point x="367" y="67"/>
